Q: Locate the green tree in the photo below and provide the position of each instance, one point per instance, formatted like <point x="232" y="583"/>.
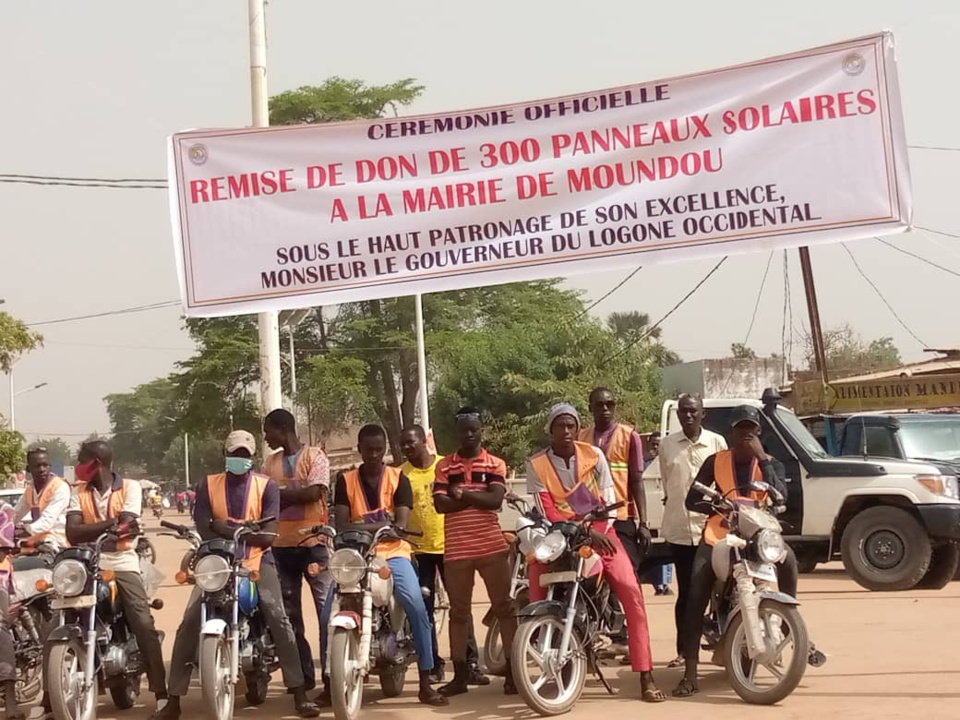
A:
<point x="335" y="388"/>
<point x="628" y="326"/>
<point x="141" y="429"/>
<point x="742" y="352"/>
<point x="59" y="452"/>
<point x="339" y="99"/>
<point x="847" y="354"/>
<point x="13" y="457"/>
<point x="15" y="339"/>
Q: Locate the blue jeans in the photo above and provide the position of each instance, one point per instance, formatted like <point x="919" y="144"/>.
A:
<point x="406" y="589"/>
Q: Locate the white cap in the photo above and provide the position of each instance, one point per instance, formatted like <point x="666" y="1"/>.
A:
<point x="240" y="439"/>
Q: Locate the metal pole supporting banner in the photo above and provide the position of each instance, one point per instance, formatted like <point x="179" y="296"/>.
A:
<point x="422" y="365"/>
<point x="816" y="332"/>
<point x="271" y="395"/>
<point x="186" y="461"/>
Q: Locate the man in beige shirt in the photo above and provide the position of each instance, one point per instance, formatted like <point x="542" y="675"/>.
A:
<point x="681" y="455"/>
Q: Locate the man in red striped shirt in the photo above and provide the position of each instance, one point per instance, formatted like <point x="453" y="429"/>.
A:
<point x="469" y="489"/>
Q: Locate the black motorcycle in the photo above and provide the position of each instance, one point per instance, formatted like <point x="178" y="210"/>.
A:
<point x="92" y="646"/>
<point x="29" y="615"/>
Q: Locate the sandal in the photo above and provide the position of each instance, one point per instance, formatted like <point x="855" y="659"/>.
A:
<point x="653" y="695"/>
<point x="686" y="688"/>
<point x="308" y="709"/>
<point x="677" y="662"/>
<point x="433" y="699"/>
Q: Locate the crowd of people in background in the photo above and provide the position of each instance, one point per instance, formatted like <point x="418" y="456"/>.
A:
<point x="452" y="500"/>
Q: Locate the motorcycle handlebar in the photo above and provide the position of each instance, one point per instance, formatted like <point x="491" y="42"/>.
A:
<point x="179" y="529"/>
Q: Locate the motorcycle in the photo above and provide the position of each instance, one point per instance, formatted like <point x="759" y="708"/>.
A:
<point x="92" y="645"/>
<point x="158" y="510"/>
<point x="529" y="527"/>
<point x="28" y="615"/>
<point x="189" y="559"/>
<point x="234" y="638"/>
<point x="146" y="550"/>
<point x="369" y="632"/>
<point x="559" y="639"/>
<point x="755" y="631"/>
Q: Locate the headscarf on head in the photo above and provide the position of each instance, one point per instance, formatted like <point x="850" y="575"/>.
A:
<point x="558" y="410"/>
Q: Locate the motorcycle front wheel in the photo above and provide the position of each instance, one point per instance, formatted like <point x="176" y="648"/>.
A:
<point x="547" y="686"/>
<point x="65" y="663"/>
<point x="346" y="680"/>
<point x="785" y="635"/>
<point x="216" y="683"/>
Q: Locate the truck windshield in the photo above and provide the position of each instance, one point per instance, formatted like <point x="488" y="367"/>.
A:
<point x="933" y="439"/>
<point x="800" y="433"/>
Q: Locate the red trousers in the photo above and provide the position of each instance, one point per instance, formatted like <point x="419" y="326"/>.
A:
<point x="619" y="574"/>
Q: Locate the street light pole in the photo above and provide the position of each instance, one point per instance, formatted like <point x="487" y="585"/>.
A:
<point x="13" y="414"/>
<point x="271" y="395"/>
<point x="186" y="461"/>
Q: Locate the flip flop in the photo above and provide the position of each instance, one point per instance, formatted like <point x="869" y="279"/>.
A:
<point x="433" y="700"/>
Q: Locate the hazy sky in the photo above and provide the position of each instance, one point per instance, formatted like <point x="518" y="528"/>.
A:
<point x="94" y="88"/>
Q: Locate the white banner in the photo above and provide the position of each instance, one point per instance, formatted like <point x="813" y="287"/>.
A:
<point x="794" y="150"/>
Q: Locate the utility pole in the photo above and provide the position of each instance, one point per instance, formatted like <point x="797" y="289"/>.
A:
<point x="186" y="461"/>
<point x="271" y="396"/>
<point x="816" y="332"/>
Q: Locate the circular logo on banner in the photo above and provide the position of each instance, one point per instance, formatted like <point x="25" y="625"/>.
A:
<point x="198" y="154"/>
<point x="854" y="64"/>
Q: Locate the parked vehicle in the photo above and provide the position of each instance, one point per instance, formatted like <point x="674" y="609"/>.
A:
<point x="530" y="526"/>
<point x="756" y="630"/>
<point x="92" y="646"/>
<point x="932" y="438"/>
<point x="234" y="637"/>
<point x="369" y="633"/>
<point x="30" y="613"/>
<point x="884" y="519"/>
<point x="559" y="638"/>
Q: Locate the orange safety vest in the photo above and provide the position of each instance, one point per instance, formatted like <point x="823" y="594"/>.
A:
<point x="118" y="496"/>
<point x="725" y="476"/>
<point x="618" y="457"/>
<point x="296" y="517"/>
<point x="360" y="511"/>
<point x="586" y="459"/>
<point x="253" y="508"/>
<point x="38" y="505"/>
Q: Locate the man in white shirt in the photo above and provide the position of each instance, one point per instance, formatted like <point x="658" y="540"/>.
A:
<point x="681" y="455"/>
<point x="105" y="501"/>
<point x="42" y="509"/>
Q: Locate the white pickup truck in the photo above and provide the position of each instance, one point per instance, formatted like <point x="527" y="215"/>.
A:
<point x="892" y="522"/>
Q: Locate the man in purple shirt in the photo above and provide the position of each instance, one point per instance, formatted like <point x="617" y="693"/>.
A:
<point x="239" y="483"/>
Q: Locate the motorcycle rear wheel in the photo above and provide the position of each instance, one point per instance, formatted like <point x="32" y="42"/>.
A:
<point x="392" y="680"/>
<point x="534" y="649"/>
<point x="126" y="692"/>
<point x="258" y="684"/>
<point x="494" y="659"/>
<point x="65" y="663"/>
<point x="216" y="684"/>
<point x="346" y="682"/>
<point x="778" y="621"/>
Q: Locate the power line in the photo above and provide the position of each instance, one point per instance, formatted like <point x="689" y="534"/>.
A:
<point x="880" y="295"/>
<point x="122" y="311"/>
<point x="933" y="147"/>
<point x="160" y="181"/>
<point x="753" y="319"/>
<point x="652" y="328"/>
<point x="606" y="295"/>
<point x="918" y="257"/>
<point x="87" y="182"/>
<point x="937" y="232"/>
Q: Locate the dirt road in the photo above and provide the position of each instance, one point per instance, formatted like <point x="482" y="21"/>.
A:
<point x="891" y="655"/>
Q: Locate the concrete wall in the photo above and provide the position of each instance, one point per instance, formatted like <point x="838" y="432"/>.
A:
<point x="723" y="378"/>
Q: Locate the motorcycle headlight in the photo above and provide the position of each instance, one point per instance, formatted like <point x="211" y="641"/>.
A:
<point x="529" y="537"/>
<point x="212" y="573"/>
<point x="770" y="546"/>
<point x="347" y="567"/>
<point x="550" y="547"/>
<point x="69" y="578"/>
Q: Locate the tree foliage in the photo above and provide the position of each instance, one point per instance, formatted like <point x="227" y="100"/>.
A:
<point x="15" y="339"/>
<point x="848" y="354"/>
<point x="339" y="99"/>
<point x="12" y="455"/>
<point x="59" y="452"/>
<point x="742" y="352"/>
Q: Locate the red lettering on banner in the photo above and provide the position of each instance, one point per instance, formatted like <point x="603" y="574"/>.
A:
<point x="242" y="185"/>
<point x="457" y="195"/>
<point x="338" y="212"/>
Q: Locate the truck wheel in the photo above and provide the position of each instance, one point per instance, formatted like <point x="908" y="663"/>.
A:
<point x="943" y="567"/>
<point x="885" y="548"/>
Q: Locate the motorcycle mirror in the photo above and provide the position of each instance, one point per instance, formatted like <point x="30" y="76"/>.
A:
<point x="760" y="486"/>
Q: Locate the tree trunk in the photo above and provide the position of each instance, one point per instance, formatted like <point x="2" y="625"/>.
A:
<point x="323" y="330"/>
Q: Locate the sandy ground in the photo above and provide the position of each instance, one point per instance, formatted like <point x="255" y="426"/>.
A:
<point x="890" y="655"/>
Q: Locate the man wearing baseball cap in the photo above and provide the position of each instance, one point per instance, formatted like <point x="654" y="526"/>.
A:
<point x="732" y="472"/>
<point x="225" y="500"/>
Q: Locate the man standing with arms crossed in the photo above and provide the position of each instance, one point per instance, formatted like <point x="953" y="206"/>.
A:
<point x="303" y="475"/>
<point x="681" y="456"/>
<point x="469" y="490"/>
<point x="421" y="470"/>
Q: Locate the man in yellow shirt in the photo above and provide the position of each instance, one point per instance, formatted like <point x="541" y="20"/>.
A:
<point x="420" y="468"/>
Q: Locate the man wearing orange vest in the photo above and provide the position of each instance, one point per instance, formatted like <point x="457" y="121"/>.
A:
<point x="103" y="501"/>
<point x="623" y="450"/>
<point x="42" y="509"/>
<point x="225" y="500"/>
<point x="731" y="472"/>
<point x="569" y="480"/>
<point x="303" y="475"/>
<point x="368" y="498"/>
